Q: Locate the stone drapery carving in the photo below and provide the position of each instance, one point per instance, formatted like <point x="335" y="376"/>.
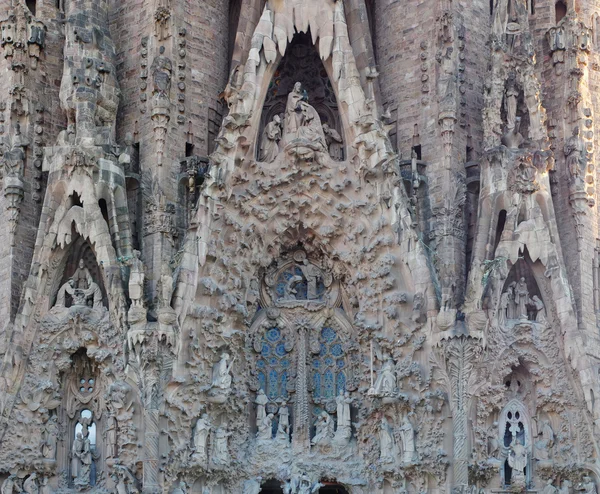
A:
<point x="201" y="435"/>
<point x="269" y="148"/>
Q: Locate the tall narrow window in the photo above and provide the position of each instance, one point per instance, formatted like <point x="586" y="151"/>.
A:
<point x="560" y="10"/>
<point x="274" y="365"/>
<point x="329" y="373"/>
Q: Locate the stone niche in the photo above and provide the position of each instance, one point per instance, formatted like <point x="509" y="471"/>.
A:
<point x="302" y="64"/>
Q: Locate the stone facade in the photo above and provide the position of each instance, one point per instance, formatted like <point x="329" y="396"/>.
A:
<point x="299" y="246"/>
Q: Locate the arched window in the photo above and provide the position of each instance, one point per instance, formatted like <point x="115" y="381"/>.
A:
<point x="560" y="10"/>
<point x="273" y="366"/>
<point x="83" y="450"/>
<point x="515" y="433"/>
<point x="329" y="366"/>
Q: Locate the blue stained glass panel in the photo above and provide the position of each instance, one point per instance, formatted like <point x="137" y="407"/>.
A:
<point x="280" y="350"/>
<point x="273" y="361"/>
<point x="336" y="350"/>
<point x="266" y="350"/>
<point x="260" y="364"/>
<point x="317" y="385"/>
<point x="341" y="382"/>
<point x="316" y="363"/>
<point x="328" y="361"/>
<point x="340" y="364"/>
<point x="273" y="391"/>
<point x="328" y="384"/>
<point x="273" y="334"/>
<point x="262" y="381"/>
<point x="328" y="334"/>
<point x="285" y="363"/>
<point x="283" y="385"/>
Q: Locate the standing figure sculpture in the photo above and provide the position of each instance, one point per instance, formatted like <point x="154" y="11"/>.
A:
<point x="283" y="427"/>
<point x="387" y="443"/>
<point x="201" y="432"/>
<point x="221" y="377"/>
<point x="344" y="423"/>
<point x="575" y="156"/>
<point x="521" y="299"/>
<point x="269" y="148"/>
<point x="162" y="70"/>
<point x="261" y="401"/>
<point x="386" y="382"/>
<point x="407" y="433"/>
<point x="136" y="280"/>
<point x="220" y="450"/>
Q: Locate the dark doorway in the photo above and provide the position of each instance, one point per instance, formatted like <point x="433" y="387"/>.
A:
<point x="560" y="10"/>
<point x="332" y="489"/>
<point x="271" y="487"/>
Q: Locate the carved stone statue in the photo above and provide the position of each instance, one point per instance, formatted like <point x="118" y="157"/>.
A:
<point x="587" y="486"/>
<point x="110" y="436"/>
<point x="302" y="123"/>
<point x="521" y="298"/>
<point x="136" y="280"/>
<point x="265" y="429"/>
<point x="221" y="378"/>
<point x="540" y="314"/>
<point x="94" y="293"/>
<point x="323" y="429"/>
<point x="549" y="488"/>
<point x="201" y="432"/>
<point x="386" y="383"/>
<point x="81" y="460"/>
<point x="517" y="460"/>
<point x="332" y="138"/>
<point x="269" y="148"/>
<point x="344" y="424"/>
<point x="575" y="155"/>
<point x="387" y="443"/>
<point x="162" y="70"/>
<point x="50" y="439"/>
<point x="283" y="427"/>
<point x="301" y="484"/>
<point x="407" y="433"/>
<point x="8" y="486"/>
<point x="261" y="401"/>
<point x="252" y="486"/>
<point x="511" y="96"/>
<point x="503" y="307"/>
<point x="81" y="276"/>
<point x="30" y="486"/>
<point x="220" y="450"/>
<point x="312" y="274"/>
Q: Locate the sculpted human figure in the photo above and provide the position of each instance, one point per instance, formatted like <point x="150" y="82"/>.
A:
<point x="261" y="401"/>
<point x="50" y="439"/>
<point x="302" y="121"/>
<point x="587" y="486"/>
<point x="136" y="280"/>
<point x="503" y="307"/>
<point x="324" y="429"/>
<point x="540" y="314"/>
<point x="510" y="102"/>
<point x="386" y="380"/>
<point x="265" y="429"/>
<point x="312" y="274"/>
<point x="517" y="458"/>
<point x="221" y="377"/>
<point x="283" y="427"/>
<point x="511" y="311"/>
<point x="30" y="486"/>
<point x="407" y="433"/>
<point x="162" y="70"/>
<point x="293" y="119"/>
<point x="269" y="148"/>
<point x="344" y="424"/>
<point x="575" y="154"/>
<point x="220" y="450"/>
<point x="81" y="276"/>
<point x="521" y="298"/>
<point x="76" y="450"/>
<point x="93" y="292"/>
<point x="201" y="432"/>
<point x="301" y="484"/>
<point x="332" y="137"/>
<point x="110" y="435"/>
<point x="549" y="488"/>
<point x="387" y="443"/>
<point x="8" y="486"/>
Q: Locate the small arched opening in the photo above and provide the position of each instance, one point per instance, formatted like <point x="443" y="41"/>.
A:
<point x="332" y="488"/>
<point x="31" y="5"/>
<point x="560" y="10"/>
<point x="271" y="487"/>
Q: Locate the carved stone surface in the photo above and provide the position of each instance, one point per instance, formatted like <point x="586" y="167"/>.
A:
<point x="334" y="247"/>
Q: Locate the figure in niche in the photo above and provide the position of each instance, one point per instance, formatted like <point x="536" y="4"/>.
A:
<point x="493" y="446"/>
<point x="221" y="377"/>
<point x="81" y="276"/>
<point x="521" y="298"/>
<point x="269" y="148"/>
<point x="505" y="300"/>
<point x="513" y="138"/>
<point x="323" y="430"/>
<point x="302" y="122"/>
<point x="386" y="383"/>
<point x="546" y="441"/>
<point x="587" y="486"/>
<point x="261" y="401"/>
<point x="344" y="423"/>
<point x="517" y="460"/>
<point x="50" y="439"/>
<point x="576" y="156"/>
<point x="313" y="275"/>
<point x="289" y="291"/>
<point x="333" y="140"/>
<point x="265" y="429"/>
<point x="93" y="293"/>
<point x="387" y="443"/>
<point x="136" y="280"/>
<point x="283" y="427"/>
<point x="162" y="70"/>
<point x="407" y="433"/>
<point x="220" y="450"/>
<point x="201" y="432"/>
<point x="67" y="288"/>
<point x="81" y="460"/>
<point x="110" y="435"/>
<point x="511" y="96"/>
<point x="540" y="310"/>
<point x="513" y="27"/>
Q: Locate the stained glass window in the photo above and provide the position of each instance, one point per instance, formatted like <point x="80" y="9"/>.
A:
<point x="300" y="288"/>
<point x="273" y="365"/>
<point x="329" y="366"/>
